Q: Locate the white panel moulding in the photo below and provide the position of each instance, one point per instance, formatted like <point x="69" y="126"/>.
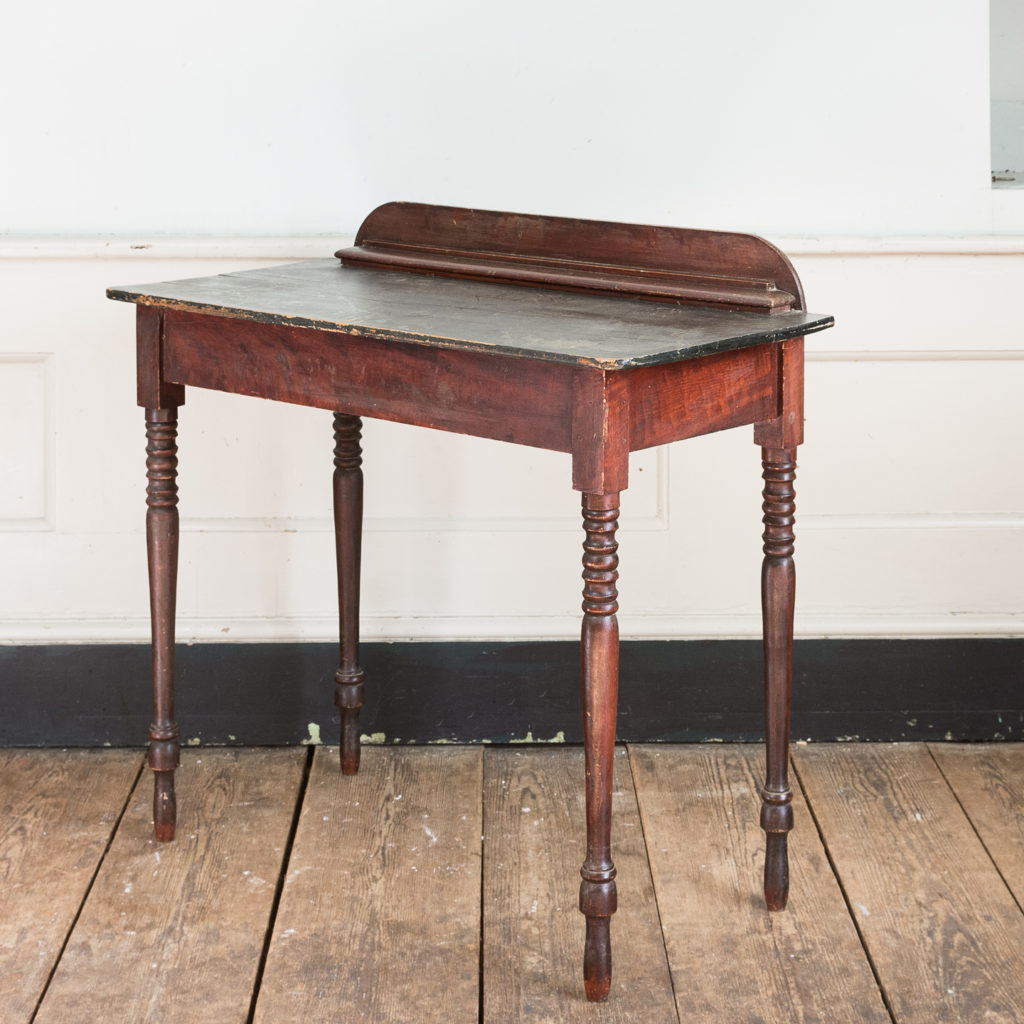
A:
<point x="27" y="435"/>
<point x="946" y="573"/>
<point x="914" y="355"/>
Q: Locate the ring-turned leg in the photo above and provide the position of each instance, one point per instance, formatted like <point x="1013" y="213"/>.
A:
<point x="162" y="550"/>
<point x="600" y="658"/>
<point x="348" y="530"/>
<point x="778" y="581"/>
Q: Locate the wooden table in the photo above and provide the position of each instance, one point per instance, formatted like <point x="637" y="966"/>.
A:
<point x="577" y="336"/>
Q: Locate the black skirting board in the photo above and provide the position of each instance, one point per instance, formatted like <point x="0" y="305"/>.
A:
<point x="474" y="692"/>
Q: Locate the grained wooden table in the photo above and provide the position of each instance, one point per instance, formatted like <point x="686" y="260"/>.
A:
<point x="584" y="337"/>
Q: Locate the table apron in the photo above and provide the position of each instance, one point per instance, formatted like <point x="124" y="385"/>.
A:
<point x="673" y="401"/>
<point x="505" y="398"/>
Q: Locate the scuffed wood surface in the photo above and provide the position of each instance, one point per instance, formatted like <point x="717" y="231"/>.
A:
<point x="941" y="928"/>
<point x="988" y="780"/>
<point x="174" y="931"/>
<point x="380" y="913"/>
<point x="945" y="935"/>
<point x="58" y="810"/>
<point x="731" y="959"/>
<point x="534" y="823"/>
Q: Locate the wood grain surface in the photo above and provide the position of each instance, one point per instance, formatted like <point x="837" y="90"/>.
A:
<point x="943" y="931"/>
<point x="522" y="401"/>
<point x="560" y="252"/>
<point x="58" y="810"/>
<point x="534" y="823"/>
<point x="380" y="914"/>
<point x="174" y="931"/>
<point x="988" y="780"/>
<point x="731" y="959"/>
<point x="362" y="936"/>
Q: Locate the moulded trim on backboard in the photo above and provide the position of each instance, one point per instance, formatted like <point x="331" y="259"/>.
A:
<point x="47" y="520"/>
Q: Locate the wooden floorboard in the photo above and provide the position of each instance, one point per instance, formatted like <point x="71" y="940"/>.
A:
<point x="535" y="828"/>
<point x="59" y="809"/>
<point x="943" y="931"/>
<point x="392" y="908"/>
<point x="174" y="931"/>
<point x="988" y="780"/>
<point x="380" y="912"/>
<point x="731" y="958"/>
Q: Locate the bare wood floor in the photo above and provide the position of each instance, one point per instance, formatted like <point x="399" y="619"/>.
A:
<point x="440" y="885"/>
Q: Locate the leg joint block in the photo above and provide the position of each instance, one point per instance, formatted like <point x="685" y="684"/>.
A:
<point x="598" y="899"/>
<point x="163" y="755"/>
<point x="349" y="695"/>
<point x="776" y="817"/>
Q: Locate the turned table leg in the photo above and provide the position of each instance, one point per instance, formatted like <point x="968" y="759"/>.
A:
<point x="778" y="581"/>
<point x="600" y="662"/>
<point x="348" y="530"/>
<point x="162" y="550"/>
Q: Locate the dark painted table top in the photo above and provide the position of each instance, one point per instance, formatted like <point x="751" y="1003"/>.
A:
<point x="419" y="309"/>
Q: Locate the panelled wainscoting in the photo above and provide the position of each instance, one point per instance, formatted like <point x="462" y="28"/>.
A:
<point x="910" y="514"/>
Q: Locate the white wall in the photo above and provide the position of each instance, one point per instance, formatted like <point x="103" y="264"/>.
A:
<point x="254" y="134"/>
<point x="268" y="118"/>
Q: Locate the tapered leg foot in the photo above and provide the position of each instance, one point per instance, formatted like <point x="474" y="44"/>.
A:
<point x="600" y="669"/>
<point x="776" y="871"/>
<point x="348" y="697"/>
<point x="598" y="903"/>
<point x="165" y="806"/>
<point x="163" y="760"/>
<point x="348" y="530"/>
<point x="778" y="584"/>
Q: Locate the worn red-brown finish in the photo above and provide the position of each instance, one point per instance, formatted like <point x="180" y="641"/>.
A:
<point x="348" y="533"/>
<point x="162" y="549"/>
<point x="599" y="648"/>
<point x="672" y="401"/>
<point x="778" y="585"/>
<point x="600" y="432"/>
<point x="586" y="374"/>
<point x="785" y="428"/>
<point x="715" y="268"/>
<point x="156" y="389"/>
<point x="467" y="392"/>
